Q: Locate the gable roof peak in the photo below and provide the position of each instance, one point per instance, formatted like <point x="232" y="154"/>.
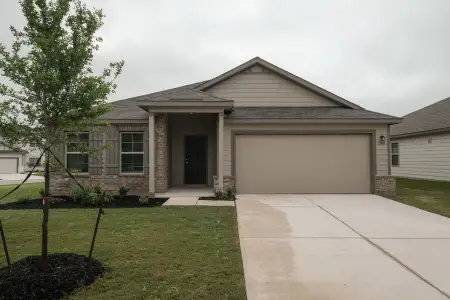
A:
<point x="281" y="72"/>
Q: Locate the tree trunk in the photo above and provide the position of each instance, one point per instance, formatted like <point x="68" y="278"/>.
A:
<point x="47" y="174"/>
<point x="45" y="233"/>
<point x="45" y="200"/>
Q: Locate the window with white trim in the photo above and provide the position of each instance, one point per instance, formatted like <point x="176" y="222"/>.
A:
<point x="132" y="152"/>
<point x="33" y="145"/>
<point x="76" y="157"/>
<point x="395" y="154"/>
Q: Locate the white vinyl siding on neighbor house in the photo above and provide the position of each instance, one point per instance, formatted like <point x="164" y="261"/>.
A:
<point x="260" y="87"/>
<point x="424" y="157"/>
<point x="381" y="155"/>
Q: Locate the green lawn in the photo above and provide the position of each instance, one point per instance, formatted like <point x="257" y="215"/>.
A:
<point x="26" y="190"/>
<point x="433" y="196"/>
<point x="150" y="253"/>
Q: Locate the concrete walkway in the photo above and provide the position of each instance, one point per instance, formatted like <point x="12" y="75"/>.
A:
<point x="191" y="201"/>
<point x="351" y="247"/>
<point x="6" y="179"/>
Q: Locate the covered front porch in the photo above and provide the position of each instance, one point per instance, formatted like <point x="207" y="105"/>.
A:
<point x="185" y="146"/>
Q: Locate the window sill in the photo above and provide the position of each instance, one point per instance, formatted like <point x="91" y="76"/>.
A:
<point x="131" y="174"/>
<point x="79" y="175"/>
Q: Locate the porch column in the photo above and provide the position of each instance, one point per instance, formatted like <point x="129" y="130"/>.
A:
<point x="151" y="154"/>
<point x="220" y="152"/>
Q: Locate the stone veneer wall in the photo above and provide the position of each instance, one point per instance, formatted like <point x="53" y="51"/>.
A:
<point x="385" y="186"/>
<point x="228" y="183"/>
<point x="60" y="184"/>
<point x="161" y="153"/>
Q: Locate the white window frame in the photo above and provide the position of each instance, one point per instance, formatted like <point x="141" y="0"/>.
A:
<point x="40" y="163"/>
<point x="397" y="154"/>
<point x="65" y="162"/>
<point x="120" y="153"/>
<point x="35" y="145"/>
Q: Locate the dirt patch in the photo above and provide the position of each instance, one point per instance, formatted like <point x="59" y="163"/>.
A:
<point x="65" y="273"/>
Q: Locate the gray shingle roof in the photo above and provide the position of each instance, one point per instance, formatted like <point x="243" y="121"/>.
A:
<point x="307" y="113"/>
<point x="128" y="109"/>
<point x="184" y="94"/>
<point x="432" y="117"/>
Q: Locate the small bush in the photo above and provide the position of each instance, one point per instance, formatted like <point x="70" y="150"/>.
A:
<point x="23" y="199"/>
<point x="123" y="191"/>
<point x="143" y="200"/>
<point x="90" y="196"/>
<point x="42" y="192"/>
<point x="228" y="195"/>
<point x="77" y="194"/>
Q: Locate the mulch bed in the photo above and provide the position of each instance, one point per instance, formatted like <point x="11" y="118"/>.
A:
<point x="214" y="198"/>
<point x="66" y="202"/>
<point x="65" y="273"/>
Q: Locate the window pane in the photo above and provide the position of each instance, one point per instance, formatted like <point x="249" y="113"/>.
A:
<point x="138" y="137"/>
<point x="79" y="162"/>
<point x="132" y="163"/>
<point x="138" y="147"/>
<point x="394" y="148"/>
<point x="127" y="147"/>
<point x="395" y="160"/>
<point x="84" y="137"/>
<point x="127" y="137"/>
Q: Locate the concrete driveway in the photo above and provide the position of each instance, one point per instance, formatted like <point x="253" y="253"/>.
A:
<point x="342" y="247"/>
<point x="6" y="179"/>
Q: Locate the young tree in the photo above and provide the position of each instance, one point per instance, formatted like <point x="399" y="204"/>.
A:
<point x="52" y="87"/>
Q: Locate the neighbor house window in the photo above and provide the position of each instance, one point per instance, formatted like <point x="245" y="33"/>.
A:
<point x="395" y="154"/>
<point x="33" y="145"/>
<point x="33" y="161"/>
<point x="132" y="152"/>
<point x="76" y="157"/>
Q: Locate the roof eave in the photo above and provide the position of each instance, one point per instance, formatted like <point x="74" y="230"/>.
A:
<point x="314" y="120"/>
<point x="420" y="133"/>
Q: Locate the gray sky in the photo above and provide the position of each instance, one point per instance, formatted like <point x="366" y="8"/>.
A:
<point x="388" y="56"/>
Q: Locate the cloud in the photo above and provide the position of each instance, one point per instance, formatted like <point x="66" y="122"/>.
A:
<point x="387" y="56"/>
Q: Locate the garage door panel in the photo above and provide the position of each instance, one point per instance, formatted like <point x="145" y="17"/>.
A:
<point x="302" y="163"/>
<point x="8" y="165"/>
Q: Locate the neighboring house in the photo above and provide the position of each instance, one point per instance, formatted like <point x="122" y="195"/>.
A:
<point x="257" y="128"/>
<point x="12" y="159"/>
<point x="33" y="156"/>
<point x="421" y="144"/>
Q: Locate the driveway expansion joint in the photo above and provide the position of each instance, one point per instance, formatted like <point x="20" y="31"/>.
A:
<point x="386" y="253"/>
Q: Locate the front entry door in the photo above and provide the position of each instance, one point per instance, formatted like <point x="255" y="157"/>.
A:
<point x="195" y="159"/>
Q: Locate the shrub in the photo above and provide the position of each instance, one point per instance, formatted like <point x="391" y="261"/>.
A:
<point x="42" y="192"/>
<point x="77" y="194"/>
<point x="123" y="191"/>
<point x="90" y="196"/>
<point x="143" y="200"/>
<point x="228" y="195"/>
<point x="23" y="199"/>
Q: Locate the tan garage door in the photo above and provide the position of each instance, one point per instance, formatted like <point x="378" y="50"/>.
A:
<point x="302" y="164"/>
<point x="8" y="165"/>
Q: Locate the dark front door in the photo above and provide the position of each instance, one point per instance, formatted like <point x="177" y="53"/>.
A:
<point x="195" y="159"/>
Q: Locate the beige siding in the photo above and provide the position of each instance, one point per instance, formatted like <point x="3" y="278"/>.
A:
<point x="196" y="124"/>
<point x="426" y="157"/>
<point x="263" y="88"/>
<point x="381" y="154"/>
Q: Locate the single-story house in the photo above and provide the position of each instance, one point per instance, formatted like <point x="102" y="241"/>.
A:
<point x="256" y="128"/>
<point x="12" y="159"/>
<point x="421" y="144"/>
